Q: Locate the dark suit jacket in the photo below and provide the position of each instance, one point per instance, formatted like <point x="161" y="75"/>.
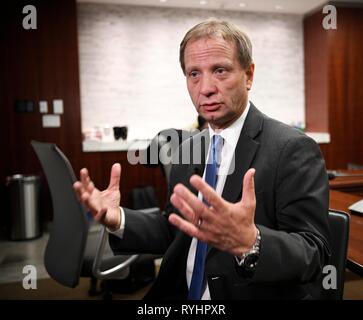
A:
<point x="292" y="214"/>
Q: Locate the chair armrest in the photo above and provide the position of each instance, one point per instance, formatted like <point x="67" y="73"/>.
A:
<point x="96" y="268"/>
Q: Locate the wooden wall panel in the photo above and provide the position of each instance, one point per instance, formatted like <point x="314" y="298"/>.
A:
<point x="346" y="79"/>
<point x="43" y="64"/>
<point x="316" y="64"/>
<point x="340" y="80"/>
<point x="132" y="176"/>
<point x="39" y="64"/>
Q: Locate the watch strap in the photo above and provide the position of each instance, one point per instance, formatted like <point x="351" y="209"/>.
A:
<point x="254" y="250"/>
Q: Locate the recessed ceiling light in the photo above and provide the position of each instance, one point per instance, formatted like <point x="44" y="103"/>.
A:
<point x="242" y="5"/>
<point x="163" y="0"/>
<point x="203" y="2"/>
<point x="278" y="7"/>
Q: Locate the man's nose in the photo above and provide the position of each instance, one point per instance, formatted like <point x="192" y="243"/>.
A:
<point x="207" y="86"/>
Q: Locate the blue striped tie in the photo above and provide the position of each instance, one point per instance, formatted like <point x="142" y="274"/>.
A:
<point x="211" y="175"/>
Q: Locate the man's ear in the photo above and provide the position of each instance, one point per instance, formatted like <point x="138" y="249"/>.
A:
<point x="249" y="76"/>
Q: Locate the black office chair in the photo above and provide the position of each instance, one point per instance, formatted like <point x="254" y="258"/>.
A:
<point x="161" y="148"/>
<point x="339" y="230"/>
<point x="72" y="251"/>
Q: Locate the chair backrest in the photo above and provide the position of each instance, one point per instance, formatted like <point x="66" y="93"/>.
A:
<point x="68" y="235"/>
<point x="162" y="146"/>
<point x="169" y="140"/>
<point x="339" y="230"/>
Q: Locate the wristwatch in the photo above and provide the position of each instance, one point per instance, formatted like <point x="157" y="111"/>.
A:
<point x="246" y="264"/>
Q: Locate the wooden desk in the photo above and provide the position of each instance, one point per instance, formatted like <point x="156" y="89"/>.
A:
<point x="341" y="201"/>
<point x="351" y="184"/>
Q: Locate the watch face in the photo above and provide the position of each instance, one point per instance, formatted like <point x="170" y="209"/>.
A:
<point x="251" y="261"/>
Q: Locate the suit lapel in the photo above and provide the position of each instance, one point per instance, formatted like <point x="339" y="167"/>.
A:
<point x="245" y="151"/>
<point x="244" y="154"/>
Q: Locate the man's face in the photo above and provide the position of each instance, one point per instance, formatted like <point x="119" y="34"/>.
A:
<point x="217" y="83"/>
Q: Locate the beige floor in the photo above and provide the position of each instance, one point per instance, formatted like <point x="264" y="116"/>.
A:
<point x="14" y="255"/>
<point x="49" y="289"/>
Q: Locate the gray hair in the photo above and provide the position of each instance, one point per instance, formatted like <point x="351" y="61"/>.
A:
<point x="212" y="28"/>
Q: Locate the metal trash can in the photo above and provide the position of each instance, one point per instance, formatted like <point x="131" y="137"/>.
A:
<point x="24" y="196"/>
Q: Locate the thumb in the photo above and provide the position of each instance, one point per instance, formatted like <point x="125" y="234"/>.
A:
<point x="115" y="176"/>
<point x="248" y="194"/>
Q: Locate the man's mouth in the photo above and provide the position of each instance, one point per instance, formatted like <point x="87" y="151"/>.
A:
<point x="211" y="106"/>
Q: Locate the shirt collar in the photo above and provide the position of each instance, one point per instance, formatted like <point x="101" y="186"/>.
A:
<point x="232" y="133"/>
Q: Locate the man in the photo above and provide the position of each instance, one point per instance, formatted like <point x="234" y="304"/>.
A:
<point x="255" y="225"/>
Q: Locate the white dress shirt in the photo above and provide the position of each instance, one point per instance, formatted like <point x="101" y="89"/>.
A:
<point x="230" y="137"/>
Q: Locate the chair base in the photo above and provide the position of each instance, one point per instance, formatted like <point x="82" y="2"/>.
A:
<point x="141" y="274"/>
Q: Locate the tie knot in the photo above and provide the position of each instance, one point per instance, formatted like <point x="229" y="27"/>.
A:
<point x="217" y="144"/>
<point x="217" y="139"/>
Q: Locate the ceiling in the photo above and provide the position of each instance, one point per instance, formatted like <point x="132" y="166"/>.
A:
<point x="281" y="6"/>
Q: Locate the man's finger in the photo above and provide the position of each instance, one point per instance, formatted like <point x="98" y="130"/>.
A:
<point x="115" y="176"/>
<point x="77" y="186"/>
<point x="248" y="195"/>
<point x="90" y="187"/>
<point x="209" y="194"/>
<point x="91" y="204"/>
<point x="187" y="227"/>
<point x="184" y="208"/>
<point x="199" y="208"/>
<point x="85" y="198"/>
<point x="84" y="177"/>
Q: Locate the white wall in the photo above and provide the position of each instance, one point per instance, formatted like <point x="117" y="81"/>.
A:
<point x="130" y="74"/>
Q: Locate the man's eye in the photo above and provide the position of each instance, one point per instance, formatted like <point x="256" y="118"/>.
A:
<point x="220" y="70"/>
<point x="193" y="74"/>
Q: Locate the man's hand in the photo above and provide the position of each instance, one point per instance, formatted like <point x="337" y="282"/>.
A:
<point x="104" y="205"/>
<point x="227" y="226"/>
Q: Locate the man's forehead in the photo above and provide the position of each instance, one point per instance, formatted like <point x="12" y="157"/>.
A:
<point x="199" y="48"/>
<point x="209" y="42"/>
